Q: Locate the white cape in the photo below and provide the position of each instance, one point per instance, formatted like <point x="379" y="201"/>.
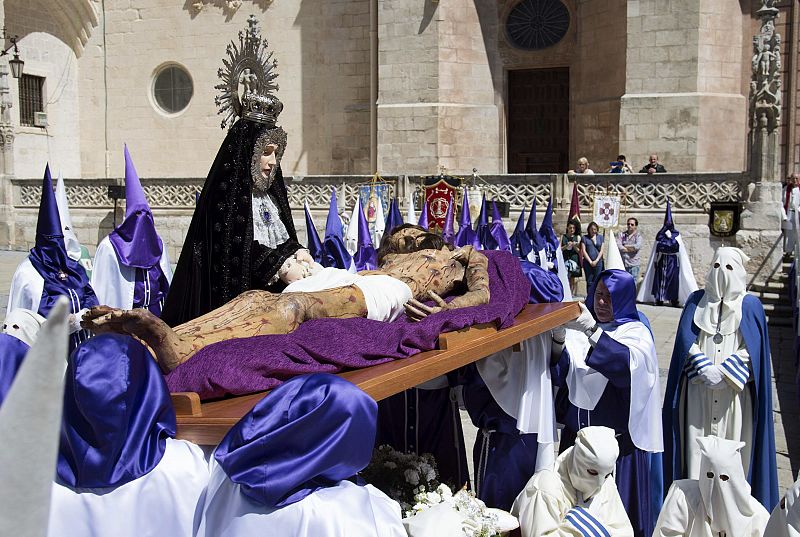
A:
<point x="161" y="502"/>
<point x="785" y="521"/>
<point x="548" y="497"/>
<point x="562" y="275"/>
<point x="685" y="514"/>
<point x="26" y="288"/>
<point x="113" y="282"/>
<point x="344" y="510"/>
<point x="687" y="283"/>
<point x="586" y="386"/>
<point x="519" y="382"/>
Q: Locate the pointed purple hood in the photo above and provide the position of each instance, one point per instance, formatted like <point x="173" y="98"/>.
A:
<point x="547" y="232"/>
<point x="498" y="231"/>
<point x="423" y="217"/>
<point x="466" y="236"/>
<point x="366" y="257"/>
<point x="333" y="225"/>
<point x="135" y="240"/>
<point x="314" y="245"/>
<point x="394" y="218"/>
<point x="334" y="253"/>
<point x="62" y="275"/>
<point x="532" y="230"/>
<point x="520" y="242"/>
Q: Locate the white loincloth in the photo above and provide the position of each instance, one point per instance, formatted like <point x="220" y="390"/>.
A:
<point x="384" y="295"/>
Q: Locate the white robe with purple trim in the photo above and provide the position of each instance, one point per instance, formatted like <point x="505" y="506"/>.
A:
<point x="161" y="502"/>
<point x="344" y="510"/>
<point x="114" y="283"/>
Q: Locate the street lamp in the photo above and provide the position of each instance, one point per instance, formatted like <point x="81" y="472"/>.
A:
<point x="15" y="63"/>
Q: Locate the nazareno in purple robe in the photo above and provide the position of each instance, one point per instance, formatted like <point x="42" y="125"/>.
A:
<point x="635" y="467"/>
<point x="666" y="280"/>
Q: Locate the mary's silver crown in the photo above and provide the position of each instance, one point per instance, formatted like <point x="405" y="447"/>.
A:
<point x="248" y="78"/>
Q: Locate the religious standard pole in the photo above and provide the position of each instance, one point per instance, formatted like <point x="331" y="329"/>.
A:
<point x="760" y="235"/>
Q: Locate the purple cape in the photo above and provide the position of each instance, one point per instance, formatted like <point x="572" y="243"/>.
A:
<point x="12" y="352"/>
<point x="247" y="365"/>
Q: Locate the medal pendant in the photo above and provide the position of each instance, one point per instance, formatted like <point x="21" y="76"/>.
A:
<point x="266" y="217"/>
<point x="717" y="338"/>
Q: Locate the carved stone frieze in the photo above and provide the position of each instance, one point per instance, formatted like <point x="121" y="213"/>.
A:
<point x="690" y="192"/>
<point x="765" y="82"/>
<point x="637" y="194"/>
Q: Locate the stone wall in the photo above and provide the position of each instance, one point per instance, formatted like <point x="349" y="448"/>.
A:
<point x="45" y="42"/>
<point x="322" y="51"/>
<point x="684" y="97"/>
<point x="644" y="198"/>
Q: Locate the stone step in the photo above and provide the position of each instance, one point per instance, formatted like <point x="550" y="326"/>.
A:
<point x="770" y="297"/>
<point x="778" y="309"/>
<point x="779" y="320"/>
<point x="772" y="286"/>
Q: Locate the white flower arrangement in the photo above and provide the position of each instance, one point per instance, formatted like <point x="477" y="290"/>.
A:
<point x="478" y="522"/>
<point x="401" y="476"/>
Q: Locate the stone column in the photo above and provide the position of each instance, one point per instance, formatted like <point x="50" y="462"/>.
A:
<point x="436" y="100"/>
<point x="761" y="220"/>
<point x="7" y="216"/>
<point x="683" y="96"/>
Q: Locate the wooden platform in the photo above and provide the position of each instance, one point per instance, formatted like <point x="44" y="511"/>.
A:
<point x="207" y="423"/>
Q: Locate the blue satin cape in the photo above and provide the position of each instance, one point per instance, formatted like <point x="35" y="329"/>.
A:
<point x="763" y="476"/>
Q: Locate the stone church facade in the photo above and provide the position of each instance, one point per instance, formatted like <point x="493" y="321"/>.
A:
<point x="517" y="89"/>
<point x="400" y="86"/>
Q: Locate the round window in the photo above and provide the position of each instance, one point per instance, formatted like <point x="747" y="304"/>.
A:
<point x="172" y="89"/>
<point x="537" y="24"/>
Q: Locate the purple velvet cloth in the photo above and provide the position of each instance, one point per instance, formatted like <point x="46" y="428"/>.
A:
<point x="248" y="365"/>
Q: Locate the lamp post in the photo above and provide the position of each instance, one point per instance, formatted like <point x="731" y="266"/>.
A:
<point x="15" y="63"/>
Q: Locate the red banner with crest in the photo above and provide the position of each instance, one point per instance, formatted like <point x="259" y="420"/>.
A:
<point x="439" y="196"/>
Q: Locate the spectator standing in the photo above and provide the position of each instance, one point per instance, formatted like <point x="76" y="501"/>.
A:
<point x="582" y="167"/>
<point x="571" y="249"/>
<point x="653" y="166"/>
<point x="630" y="243"/>
<point x="591" y="253"/>
<point x="620" y="165"/>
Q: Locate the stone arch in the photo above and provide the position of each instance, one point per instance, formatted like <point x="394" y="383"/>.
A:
<point x="71" y="21"/>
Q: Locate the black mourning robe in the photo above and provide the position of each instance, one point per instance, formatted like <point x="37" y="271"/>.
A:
<point x="220" y="259"/>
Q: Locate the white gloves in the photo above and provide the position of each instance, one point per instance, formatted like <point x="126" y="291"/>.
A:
<point x="584" y="322"/>
<point x="74" y="320"/>
<point x="712" y="377"/>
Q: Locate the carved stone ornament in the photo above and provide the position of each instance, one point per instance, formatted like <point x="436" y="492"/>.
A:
<point x="765" y="83"/>
<point x="248" y="80"/>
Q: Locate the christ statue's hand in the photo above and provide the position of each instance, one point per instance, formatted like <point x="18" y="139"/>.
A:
<point x="417" y="311"/>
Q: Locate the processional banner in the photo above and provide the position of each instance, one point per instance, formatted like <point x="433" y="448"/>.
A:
<point x="606" y="211"/>
<point x="439" y="192"/>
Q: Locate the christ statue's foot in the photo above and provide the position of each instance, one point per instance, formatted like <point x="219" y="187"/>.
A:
<point x="104" y="319"/>
<point x="143" y="325"/>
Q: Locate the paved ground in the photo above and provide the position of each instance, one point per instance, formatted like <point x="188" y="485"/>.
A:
<point x="664" y="321"/>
